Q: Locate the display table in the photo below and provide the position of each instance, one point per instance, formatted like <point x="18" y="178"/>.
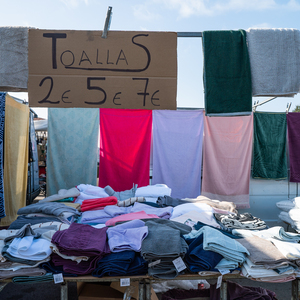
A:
<point x="145" y="282"/>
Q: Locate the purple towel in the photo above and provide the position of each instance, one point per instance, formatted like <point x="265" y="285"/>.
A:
<point x="293" y="125"/>
<point x="82" y="239"/>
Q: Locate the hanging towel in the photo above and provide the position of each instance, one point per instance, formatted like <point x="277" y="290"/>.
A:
<point x="227" y="76"/>
<point x="125" y="142"/>
<point x="275" y="61"/>
<point x="13" y="59"/>
<point x="2" y="119"/>
<point x="227" y="159"/>
<point x="269" y="150"/>
<point x="72" y="148"/>
<point x="293" y="125"/>
<point x="177" y="136"/>
<point x="16" y="157"/>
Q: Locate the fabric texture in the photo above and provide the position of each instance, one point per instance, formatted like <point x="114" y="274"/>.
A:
<point x="269" y="147"/>
<point x="125" y="143"/>
<point x="16" y="139"/>
<point x="13" y="59"/>
<point x="177" y="136"/>
<point x="2" y="120"/>
<point x="275" y="61"/>
<point x="293" y="125"/>
<point x="72" y="151"/>
<point x="98" y="203"/>
<point x="227" y="75"/>
<point x="227" y="159"/>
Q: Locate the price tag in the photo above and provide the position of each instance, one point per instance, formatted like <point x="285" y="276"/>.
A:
<point x="179" y="264"/>
<point x="154" y="263"/>
<point x="223" y="271"/>
<point x="125" y="282"/>
<point x="58" y="278"/>
<point x="219" y="282"/>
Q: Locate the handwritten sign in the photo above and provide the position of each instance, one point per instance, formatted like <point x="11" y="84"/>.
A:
<point x="81" y="69"/>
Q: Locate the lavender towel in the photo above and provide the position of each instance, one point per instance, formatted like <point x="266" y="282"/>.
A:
<point x="293" y="125"/>
<point x="177" y="136"/>
<point x="127" y="236"/>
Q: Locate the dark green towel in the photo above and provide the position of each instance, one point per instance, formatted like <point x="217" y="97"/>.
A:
<point x="269" y="151"/>
<point x="227" y="74"/>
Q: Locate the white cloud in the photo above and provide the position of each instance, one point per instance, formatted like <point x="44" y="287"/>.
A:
<point x="74" y="3"/>
<point x="188" y="8"/>
<point x="294" y="5"/>
<point x="262" y="26"/>
<point x="142" y="12"/>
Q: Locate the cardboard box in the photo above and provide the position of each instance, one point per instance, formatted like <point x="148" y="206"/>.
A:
<point x="97" y="291"/>
<point x="128" y="69"/>
<point x="116" y="285"/>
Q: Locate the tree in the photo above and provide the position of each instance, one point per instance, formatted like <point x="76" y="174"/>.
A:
<point x="297" y="109"/>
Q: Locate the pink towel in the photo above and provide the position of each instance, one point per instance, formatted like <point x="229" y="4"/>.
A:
<point x="125" y="143"/>
<point x="131" y="216"/>
<point x="227" y="159"/>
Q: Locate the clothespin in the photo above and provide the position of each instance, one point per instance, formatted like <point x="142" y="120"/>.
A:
<point x="107" y="22"/>
<point x="288" y="106"/>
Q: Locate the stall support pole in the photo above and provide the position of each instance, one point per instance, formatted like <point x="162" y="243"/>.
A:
<point x="141" y="290"/>
<point x="295" y="289"/>
<point x="2" y="285"/>
<point x="223" y="290"/>
<point x="64" y="291"/>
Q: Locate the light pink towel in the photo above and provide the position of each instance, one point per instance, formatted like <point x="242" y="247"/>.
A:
<point x="227" y="159"/>
<point x="131" y="216"/>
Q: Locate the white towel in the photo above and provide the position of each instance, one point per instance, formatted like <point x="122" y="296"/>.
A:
<point x="274" y="60"/>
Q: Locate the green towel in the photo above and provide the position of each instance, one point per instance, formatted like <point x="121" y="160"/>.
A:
<point x="33" y="279"/>
<point x="269" y="151"/>
<point x="227" y="74"/>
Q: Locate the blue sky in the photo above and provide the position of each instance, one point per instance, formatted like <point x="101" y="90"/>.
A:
<point x="161" y="15"/>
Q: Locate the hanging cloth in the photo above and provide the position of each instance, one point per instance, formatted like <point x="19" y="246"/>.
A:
<point x="2" y="119"/>
<point x="269" y="150"/>
<point x="227" y="76"/>
<point x="293" y="125"/>
<point x="177" y="136"/>
<point x="16" y="139"/>
<point x="227" y="159"/>
<point x="125" y="143"/>
<point x="275" y="61"/>
<point x="72" y="148"/>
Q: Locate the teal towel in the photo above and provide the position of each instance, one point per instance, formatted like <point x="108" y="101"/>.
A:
<point x="269" y="150"/>
<point x="227" y="74"/>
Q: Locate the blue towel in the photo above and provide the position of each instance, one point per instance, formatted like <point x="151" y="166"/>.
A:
<point x="199" y="259"/>
<point x="121" y="263"/>
<point x="2" y="118"/>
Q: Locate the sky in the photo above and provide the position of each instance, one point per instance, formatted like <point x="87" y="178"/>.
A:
<point x="161" y="15"/>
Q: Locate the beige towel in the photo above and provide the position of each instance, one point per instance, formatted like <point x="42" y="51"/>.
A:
<point x="15" y="158"/>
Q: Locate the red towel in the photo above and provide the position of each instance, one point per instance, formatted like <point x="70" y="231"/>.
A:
<point x="98" y="203"/>
<point x="125" y="143"/>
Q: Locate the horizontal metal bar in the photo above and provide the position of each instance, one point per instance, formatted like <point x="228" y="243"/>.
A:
<point x="189" y="34"/>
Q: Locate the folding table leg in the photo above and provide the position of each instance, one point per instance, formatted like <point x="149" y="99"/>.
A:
<point x="64" y="291"/>
<point x="223" y="291"/>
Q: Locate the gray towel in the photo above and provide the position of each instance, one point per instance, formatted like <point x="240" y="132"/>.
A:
<point x="13" y="59"/>
<point x="275" y="61"/>
<point x="49" y="208"/>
